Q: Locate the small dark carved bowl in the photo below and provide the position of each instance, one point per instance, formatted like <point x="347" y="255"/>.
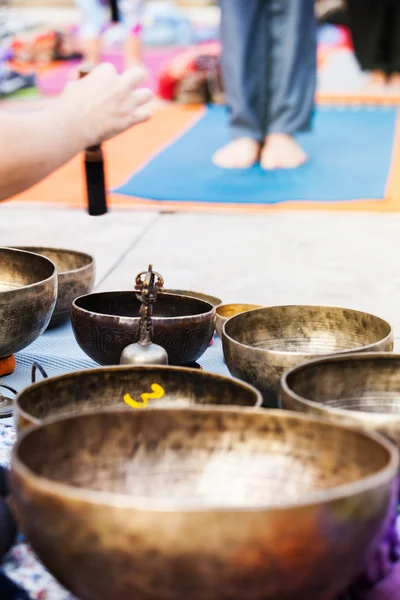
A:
<point x="28" y="293"/>
<point x="206" y="297"/>
<point x="104" y="324"/>
<point x="76" y="275"/>
<point x="202" y="503"/>
<point x="260" y="345"/>
<point x="358" y="390"/>
<point x="106" y="387"/>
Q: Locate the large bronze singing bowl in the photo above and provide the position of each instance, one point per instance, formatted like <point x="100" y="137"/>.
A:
<point x="28" y="292"/>
<point x="76" y="274"/>
<point x="260" y="345"/>
<point x="201" y="504"/>
<point x="106" y="387"/>
<point x="104" y="324"/>
<point x="358" y="389"/>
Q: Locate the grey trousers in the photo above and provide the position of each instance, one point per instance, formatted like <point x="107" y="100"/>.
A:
<point x="269" y="65"/>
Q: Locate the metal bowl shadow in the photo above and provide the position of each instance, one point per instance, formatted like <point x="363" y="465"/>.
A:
<point x="261" y="344"/>
<point x="106" y="387"/>
<point x="226" y="311"/>
<point x="28" y="293"/>
<point x="206" y="297"/>
<point x="359" y="389"/>
<point x="201" y="504"/>
<point x="76" y="275"/>
<point x="104" y="324"/>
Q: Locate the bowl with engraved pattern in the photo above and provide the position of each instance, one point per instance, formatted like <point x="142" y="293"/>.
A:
<point x="261" y="344"/>
<point x="28" y="293"/>
<point x="141" y="387"/>
<point x="357" y="389"/>
<point x="105" y="323"/>
<point x="76" y="275"/>
<point x="215" y="503"/>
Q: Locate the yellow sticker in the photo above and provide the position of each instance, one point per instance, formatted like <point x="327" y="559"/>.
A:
<point x="158" y="392"/>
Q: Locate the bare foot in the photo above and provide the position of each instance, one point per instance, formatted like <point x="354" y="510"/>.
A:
<point x="242" y="153"/>
<point x="281" y="151"/>
<point x="394" y="81"/>
<point x="378" y="79"/>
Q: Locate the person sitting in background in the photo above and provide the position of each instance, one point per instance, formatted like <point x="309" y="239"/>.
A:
<point x="269" y="65"/>
<point x="94" y="18"/>
<point x="89" y="112"/>
<point x="375" y="28"/>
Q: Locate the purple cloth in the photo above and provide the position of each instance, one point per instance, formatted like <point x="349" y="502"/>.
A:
<point x="381" y="578"/>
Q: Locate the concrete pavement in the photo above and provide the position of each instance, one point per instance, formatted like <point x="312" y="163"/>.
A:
<point x="345" y="259"/>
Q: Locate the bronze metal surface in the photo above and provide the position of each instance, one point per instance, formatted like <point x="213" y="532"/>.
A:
<point x="206" y="297"/>
<point x="144" y="352"/>
<point x="358" y="389"/>
<point x="76" y="275"/>
<point x="261" y="344"/>
<point x="226" y="311"/>
<point x="104" y="324"/>
<point x="203" y="504"/>
<point x="28" y="292"/>
<point x="106" y="387"/>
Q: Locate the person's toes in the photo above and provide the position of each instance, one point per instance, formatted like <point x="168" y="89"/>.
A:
<point x="282" y="152"/>
<point x="242" y="153"/>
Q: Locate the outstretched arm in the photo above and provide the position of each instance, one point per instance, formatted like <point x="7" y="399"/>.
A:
<point x="90" y="111"/>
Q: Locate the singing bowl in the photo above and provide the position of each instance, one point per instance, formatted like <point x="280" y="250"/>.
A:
<point x="28" y="293"/>
<point x="76" y="275"/>
<point x="261" y="344"/>
<point x="226" y="311"/>
<point x="106" y="387"/>
<point x="104" y="324"/>
<point x="206" y="297"/>
<point x="360" y="390"/>
<point x="213" y="504"/>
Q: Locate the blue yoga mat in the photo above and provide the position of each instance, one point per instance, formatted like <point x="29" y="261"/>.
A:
<point x="350" y="155"/>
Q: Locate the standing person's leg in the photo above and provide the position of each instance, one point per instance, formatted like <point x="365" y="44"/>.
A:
<point x="93" y="16"/>
<point x="367" y="19"/>
<point x="292" y="29"/>
<point x="131" y="15"/>
<point x="244" y="49"/>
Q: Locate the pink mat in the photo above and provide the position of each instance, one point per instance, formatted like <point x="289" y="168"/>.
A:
<point x="54" y="81"/>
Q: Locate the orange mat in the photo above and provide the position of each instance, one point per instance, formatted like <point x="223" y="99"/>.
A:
<point x="133" y="149"/>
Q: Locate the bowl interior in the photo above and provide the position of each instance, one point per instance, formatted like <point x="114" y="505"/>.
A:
<point x="229" y="310"/>
<point x="211" y="299"/>
<point x="65" y="260"/>
<point x="196" y="458"/>
<point x="126" y="304"/>
<point x="360" y="384"/>
<point x="306" y="329"/>
<point x="19" y="269"/>
<point x="101" y="388"/>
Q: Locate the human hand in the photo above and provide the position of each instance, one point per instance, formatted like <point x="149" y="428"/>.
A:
<point x="106" y="104"/>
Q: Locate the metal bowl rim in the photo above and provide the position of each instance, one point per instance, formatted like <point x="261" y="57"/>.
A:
<point x="359" y="415"/>
<point x="281" y="353"/>
<point x="31" y="285"/>
<point x="91" y="259"/>
<point x="255" y="307"/>
<point x="189" y="294"/>
<point x="118" y="368"/>
<point x="77" y="308"/>
<point x="93" y="497"/>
